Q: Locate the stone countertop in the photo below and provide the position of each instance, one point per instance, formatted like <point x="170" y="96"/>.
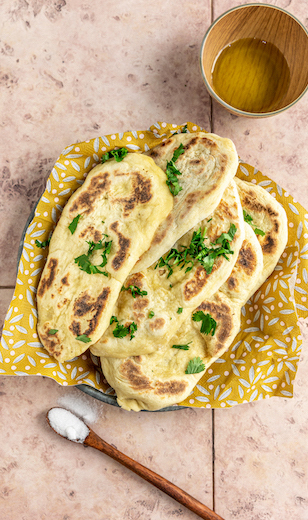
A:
<point x="71" y="71"/>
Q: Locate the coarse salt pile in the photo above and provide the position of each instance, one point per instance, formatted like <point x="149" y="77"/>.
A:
<point x="68" y="425"/>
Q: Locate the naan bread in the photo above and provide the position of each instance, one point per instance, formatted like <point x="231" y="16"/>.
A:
<point x="207" y="166"/>
<point x="269" y="216"/>
<point x="154" y="381"/>
<point x="119" y="201"/>
<point x="167" y="294"/>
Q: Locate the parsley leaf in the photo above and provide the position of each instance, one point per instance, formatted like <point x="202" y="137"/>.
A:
<point x="208" y="323"/>
<point x="180" y="310"/>
<point x="172" y="172"/>
<point x="121" y="331"/>
<point x="84" y="262"/>
<point x="83" y="338"/>
<point x="151" y="314"/>
<point x="198" y="251"/>
<point x="259" y="232"/>
<point x="52" y="332"/>
<point x="113" y="319"/>
<point x="134" y="290"/>
<point x="182" y="347"/>
<point x="73" y="225"/>
<point x="248" y="218"/>
<point x="42" y="245"/>
<point x="195" y="366"/>
<point x="118" y="155"/>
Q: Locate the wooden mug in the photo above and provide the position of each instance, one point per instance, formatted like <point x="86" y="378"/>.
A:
<point x="267" y="24"/>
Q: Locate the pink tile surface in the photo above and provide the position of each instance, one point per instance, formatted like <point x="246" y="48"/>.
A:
<point x="76" y="71"/>
<point x="45" y="476"/>
<point x="70" y="72"/>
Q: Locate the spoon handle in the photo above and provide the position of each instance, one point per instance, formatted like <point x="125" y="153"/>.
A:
<point x="161" y="483"/>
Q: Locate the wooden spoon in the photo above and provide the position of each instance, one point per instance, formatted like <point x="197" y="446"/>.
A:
<point x="90" y="438"/>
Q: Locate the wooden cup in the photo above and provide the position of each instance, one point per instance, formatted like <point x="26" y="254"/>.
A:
<point x="270" y="24"/>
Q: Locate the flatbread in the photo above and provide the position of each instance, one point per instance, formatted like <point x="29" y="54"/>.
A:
<point x="122" y="202"/>
<point x="207" y="166"/>
<point x="168" y="295"/>
<point x="154" y="381"/>
<point x="269" y="216"/>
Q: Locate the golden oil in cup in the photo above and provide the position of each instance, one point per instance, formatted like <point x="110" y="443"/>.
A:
<point x="252" y="75"/>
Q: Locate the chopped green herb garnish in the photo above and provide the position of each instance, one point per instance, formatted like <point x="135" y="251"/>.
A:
<point x="134" y="290"/>
<point x="113" y="319"/>
<point x="118" y="155"/>
<point x="42" y="245"/>
<point x="84" y="338"/>
<point x="84" y="260"/>
<point x="151" y="314"/>
<point x="208" y="323"/>
<point x="180" y="310"/>
<point x="198" y="251"/>
<point x="195" y="366"/>
<point x="172" y="172"/>
<point x="182" y="347"/>
<point x="259" y="232"/>
<point x="51" y="332"/>
<point x="73" y="225"/>
<point x="121" y="331"/>
<point x="248" y="218"/>
<point x="184" y="129"/>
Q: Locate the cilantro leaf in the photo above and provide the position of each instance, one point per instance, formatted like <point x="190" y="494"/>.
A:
<point x="172" y="172"/>
<point x="184" y="129"/>
<point x="182" y="347"/>
<point x="134" y="290"/>
<point x="113" y="319"/>
<point x="195" y="366"/>
<point x="83" y="338"/>
<point x="248" y="218"/>
<point x="198" y="251"/>
<point x="42" y="245"/>
<point x="52" y="332"/>
<point x="132" y="329"/>
<point x="259" y="232"/>
<point x="151" y="314"/>
<point x="73" y="225"/>
<point x="121" y="331"/>
<point x="208" y="323"/>
<point x="180" y="310"/>
<point x="118" y="155"/>
<point x="84" y="262"/>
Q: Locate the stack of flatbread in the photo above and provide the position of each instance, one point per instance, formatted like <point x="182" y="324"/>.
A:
<point x="150" y="264"/>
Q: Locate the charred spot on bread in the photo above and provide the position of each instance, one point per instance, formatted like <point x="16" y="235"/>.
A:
<point x="137" y="380"/>
<point x="170" y="387"/>
<point x="124" y="247"/>
<point x="91" y="308"/>
<point x="84" y="203"/>
<point x="91" y="234"/>
<point x="49" y="277"/>
<point x="141" y="194"/>
<point x="157" y="324"/>
<point x="247" y="258"/>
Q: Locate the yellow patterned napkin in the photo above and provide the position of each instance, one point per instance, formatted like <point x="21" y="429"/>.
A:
<point x="261" y="362"/>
